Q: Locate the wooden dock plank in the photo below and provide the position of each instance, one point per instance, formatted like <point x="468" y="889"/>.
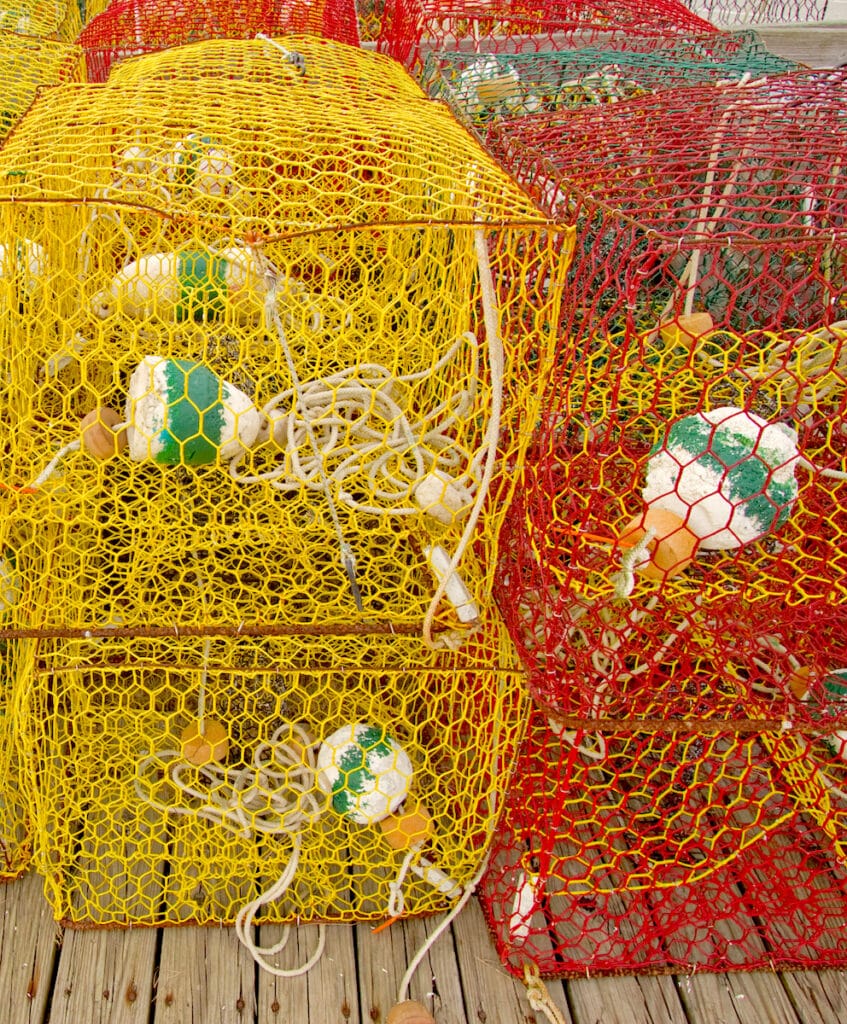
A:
<point x="817" y="997"/>
<point x="28" y="950"/>
<point x="332" y="987"/>
<point x="737" y="998"/>
<point x="104" y="976"/>
<point x="437" y="982"/>
<point x="205" y="974"/>
<point x="327" y="993"/>
<point x="284" y="1000"/>
<point x="491" y="994"/>
<point x="628" y="1000"/>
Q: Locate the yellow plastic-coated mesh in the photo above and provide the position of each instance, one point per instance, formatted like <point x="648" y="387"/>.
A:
<point x="26" y="64"/>
<point x="136" y="833"/>
<point x="297" y="62"/>
<point x="259" y="436"/>
<point x="353" y="422"/>
<point x="15" y="829"/>
<point x="48" y="19"/>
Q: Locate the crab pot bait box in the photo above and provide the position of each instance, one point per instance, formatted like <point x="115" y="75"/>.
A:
<point x="127" y="28"/>
<point x="485" y="88"/>
<point x="28" y="63"/>
<point x="665" y="850"/>
<point x="412" y="28"/>
<point x="305" y="752"/>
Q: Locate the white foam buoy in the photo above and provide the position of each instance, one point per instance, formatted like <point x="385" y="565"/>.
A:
<point x="178" y="412"/>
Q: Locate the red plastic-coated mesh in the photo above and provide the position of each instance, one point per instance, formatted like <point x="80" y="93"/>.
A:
<point x="653" y="851"/>
<point x="412" y="28"/>
<point x="746" y="176"/>
<point x="132" y="27"/>
<point x="681" y="528"/>
<point x="759" y="12"/>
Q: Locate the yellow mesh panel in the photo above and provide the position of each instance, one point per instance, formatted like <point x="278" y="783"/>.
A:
<point x="259" y="439"/>
<point x="324" y="64"/>
<point x="15" y="830"/>
<point x="119" y="841"/>
<point x="26" y="64"/>
<point x="49" y="19"/>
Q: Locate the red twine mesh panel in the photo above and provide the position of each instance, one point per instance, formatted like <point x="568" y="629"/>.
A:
<point x="671" y="852"/>
<point x="412" y="28"/>
<point x="132" y="27"/>
<point x="689" y="479"/>
<point x="701" y="382"/>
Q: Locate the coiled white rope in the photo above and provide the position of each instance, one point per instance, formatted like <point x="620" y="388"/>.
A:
<point x="336" y="416"/>
<point x="275" y="795"/>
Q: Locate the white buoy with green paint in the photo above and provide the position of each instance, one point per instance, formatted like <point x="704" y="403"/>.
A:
<point x="178" y="412"/>
<point x="727" y="473"/>
<point x="364" y="771"/>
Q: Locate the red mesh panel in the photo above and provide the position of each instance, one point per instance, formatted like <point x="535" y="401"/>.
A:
<point x="708" y="276"/>
<point x="691" y="815"/>
<point x="412" y="28"/>
<point x="131" y="27"/>
<point x="656" y="851"/>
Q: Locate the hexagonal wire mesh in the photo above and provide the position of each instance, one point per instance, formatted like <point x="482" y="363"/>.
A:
<point x="484" y="89"/>
<point x="58" y="20"/>
<point x="300" y="62"/>
<point x="677" y="550"/>
<point x="290" y="306"/>
<point x="26" y="64"/>
<point x="413" y="28"/>
<point x="648" y="850"/>
<point x="129" y="28"/>
<point x="759" y="12"/>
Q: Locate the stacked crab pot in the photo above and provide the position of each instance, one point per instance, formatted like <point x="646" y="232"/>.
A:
<point x="263" y="393"/>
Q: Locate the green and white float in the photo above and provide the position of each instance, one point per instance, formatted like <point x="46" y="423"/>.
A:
<point x="178" y="412"/>
<point x="717" y="480"/>
<point x="364" y="771"/>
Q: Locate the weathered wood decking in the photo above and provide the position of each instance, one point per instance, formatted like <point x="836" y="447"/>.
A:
<point x="189" y="975"/>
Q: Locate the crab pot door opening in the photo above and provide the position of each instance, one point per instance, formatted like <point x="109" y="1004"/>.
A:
<point x="659" y="846"/>
<point x="306" y="759"/>
<point x="127" y="28"/>
<point x="413" y="28"/>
